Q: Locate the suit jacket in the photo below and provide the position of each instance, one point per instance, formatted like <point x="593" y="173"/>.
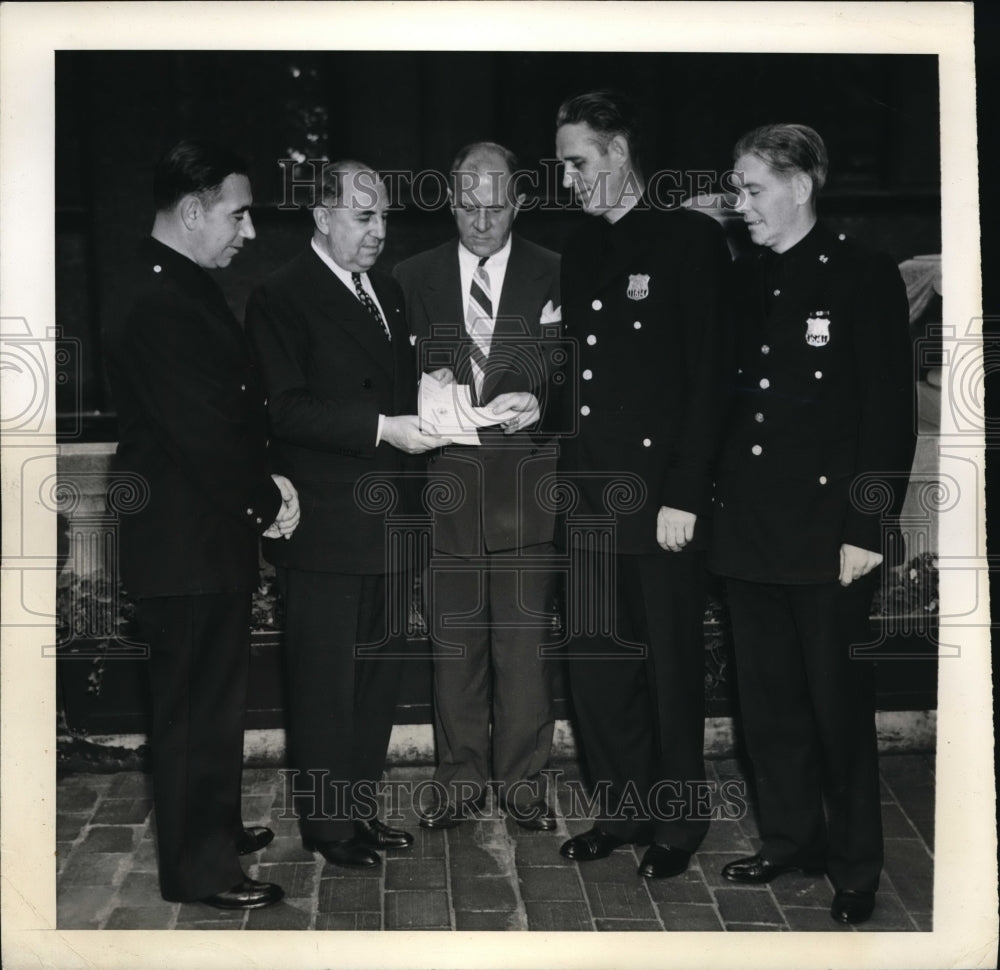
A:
<point x="329" y="372"/>
<point x="645" y="301"/>
<point x="192" y="425"/>
<point x="494" y="503"/>
<point x="823" y="406"/>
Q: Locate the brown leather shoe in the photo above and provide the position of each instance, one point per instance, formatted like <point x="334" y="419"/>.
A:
<point x="248" y="894"/>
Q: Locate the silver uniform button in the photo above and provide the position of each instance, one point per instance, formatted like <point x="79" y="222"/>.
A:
<point x="591" y="339"/>
<point x="585" y="410"/>
<point x="646" y="443"/>
<point x="157" y="269"/>
<point x="249" y="511"/>
<point x="588" y="374"/>
<point x="765" y="383"/>
<point x="243" y="387"/>
<point x="822" y="479"/>
<point x="819" y="374"/>
<point x="765" y="349"/>
<point x="758" y="417"/>
<point x="259" y="520"/>
<point x="596" y="305"/>
<point x="637" y="325"/>
<point x="777" y="292"/>
<point x="757" y="450"/>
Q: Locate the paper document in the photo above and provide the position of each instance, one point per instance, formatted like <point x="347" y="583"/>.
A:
<point x="447" y="409"/>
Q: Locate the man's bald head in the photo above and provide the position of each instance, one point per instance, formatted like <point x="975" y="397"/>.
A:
<point x="483" y="196"/>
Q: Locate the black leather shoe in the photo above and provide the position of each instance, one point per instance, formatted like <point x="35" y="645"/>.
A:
<point x="447" y="816"/>
<point x="444" y="817"/>
<point x="595" y="844"/>
<point x="535" y="816"/>
<point x="378" y="835"/>
<point x="852" y="905"/>
<point x="352" y="853"/>
<point x="248" y="894"/>
<point x="661" y="861"/>
<point x="756" y="869"/>
<point x="253" y="839"/>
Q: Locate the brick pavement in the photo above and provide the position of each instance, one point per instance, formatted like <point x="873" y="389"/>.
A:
<point x="483" y="875"/>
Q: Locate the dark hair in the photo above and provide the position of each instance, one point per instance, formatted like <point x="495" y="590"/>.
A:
<point x="198" y="167"/>
<point x="608" y="113"/>
<point x="510" y="161"/>
<point x="788" y="149"/>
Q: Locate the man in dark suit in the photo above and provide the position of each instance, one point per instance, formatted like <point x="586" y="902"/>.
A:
<point x="644" y="297"/>
<point x="812" y="472"/>
<point x="333" y="345"/>
<point x="192" y="424"/>
<point x="481" y="304"/>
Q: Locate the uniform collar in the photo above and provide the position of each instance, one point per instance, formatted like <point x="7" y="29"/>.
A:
<point x="161" y="259"/>
<point x="814" y="244"/>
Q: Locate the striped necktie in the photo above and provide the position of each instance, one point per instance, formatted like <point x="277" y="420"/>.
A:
<point x="479" y="321"/>
<point x="369" y="304"/>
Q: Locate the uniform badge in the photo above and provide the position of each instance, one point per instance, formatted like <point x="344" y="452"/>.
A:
<point x="818" y="329"/>
<point x="638" y="286"/>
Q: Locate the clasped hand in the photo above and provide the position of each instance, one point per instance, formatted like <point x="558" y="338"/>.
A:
<point x="674" y="528"/>
<point x="288" y="515"/>
<point x="856" y="562"/>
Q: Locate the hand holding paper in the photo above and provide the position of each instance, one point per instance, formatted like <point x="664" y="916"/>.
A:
<point x="515" y="410"/>
<point x="446" y="409"/>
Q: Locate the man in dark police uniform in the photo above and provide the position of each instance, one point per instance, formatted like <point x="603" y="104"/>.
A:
<point x="192" y="426"/>
<point x="644" y="297"/>
<point x="814" y="466"/>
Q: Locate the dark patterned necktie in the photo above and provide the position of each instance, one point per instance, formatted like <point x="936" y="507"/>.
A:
<point x="370" y="305"/>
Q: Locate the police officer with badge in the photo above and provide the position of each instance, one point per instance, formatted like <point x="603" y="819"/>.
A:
<point x="644" y="297"/>
<point x="813" y="468"/>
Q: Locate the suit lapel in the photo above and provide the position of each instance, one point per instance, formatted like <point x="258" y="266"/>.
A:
<point x="445" y="306"/>
<point x="343" y="309"/>
<point x="524" y="288"/>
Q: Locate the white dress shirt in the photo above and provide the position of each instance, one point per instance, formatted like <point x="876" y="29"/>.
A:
<point x="344" y="275"/>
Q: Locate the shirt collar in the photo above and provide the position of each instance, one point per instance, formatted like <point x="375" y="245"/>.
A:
<point x="344" y="275"/>
<point x="496" y="261"/>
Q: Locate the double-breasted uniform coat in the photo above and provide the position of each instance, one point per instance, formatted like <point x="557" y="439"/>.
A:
<point x="493" y="537"/>
<point x="816" y="454"/>
<point x="192" y="426"/>
<point x="645" y="301"/>
<point x="330" y="371"/>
